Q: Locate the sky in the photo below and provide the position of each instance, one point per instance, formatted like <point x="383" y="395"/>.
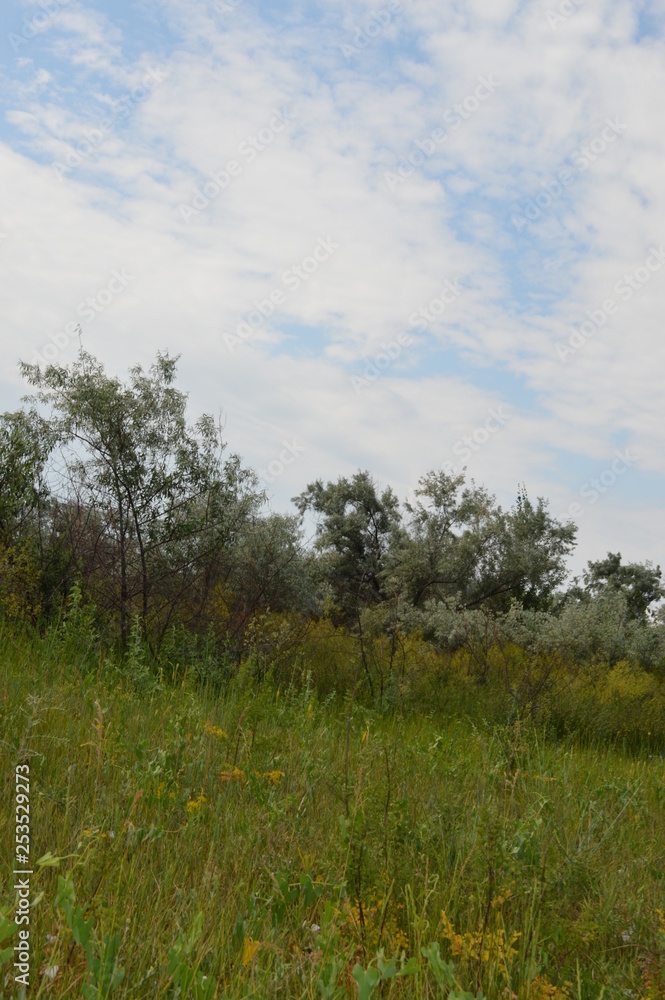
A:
<point x="403" y="237"/>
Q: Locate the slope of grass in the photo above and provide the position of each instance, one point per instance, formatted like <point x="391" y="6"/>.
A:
<point x="259" y="843"/>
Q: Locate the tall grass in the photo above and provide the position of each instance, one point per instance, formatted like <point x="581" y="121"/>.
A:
<point x="256" y="841"/>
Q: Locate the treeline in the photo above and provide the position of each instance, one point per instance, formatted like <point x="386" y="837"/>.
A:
<point x="114" y="506"/>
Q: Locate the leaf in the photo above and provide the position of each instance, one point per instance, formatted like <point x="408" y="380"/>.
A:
<point x="7" y="928"/>
<point x="249" y="950"/>
<point x="367" y="981"/>
<point x="48" y="860"/>
<point x="310" y="890"/>
<point x="5" y="955"/>
<point x="387" y="970"/>
<point x="409" y="968"/>
<point x="442" y="971"/>
<point x="328" y="977"/>
<point x="81" y="929"/>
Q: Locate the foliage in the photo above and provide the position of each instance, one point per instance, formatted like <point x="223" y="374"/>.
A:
<point x="461" y="546"/>
<point x="640" y="583"/>
<point x="355" y="528"/>
<point x="153" y="498"/>
<point x="25" y="445"/>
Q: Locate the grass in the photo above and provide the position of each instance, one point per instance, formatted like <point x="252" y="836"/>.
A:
<point x="259" y="843"/>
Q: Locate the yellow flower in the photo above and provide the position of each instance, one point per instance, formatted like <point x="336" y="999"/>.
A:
<point x="215" y="731"/>
<point x="235" y="775"/>
<point x="274" y="776"/>
<point x="195" y="804"/>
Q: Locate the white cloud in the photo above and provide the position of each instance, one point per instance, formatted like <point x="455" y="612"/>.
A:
<point x="324" y="176"/>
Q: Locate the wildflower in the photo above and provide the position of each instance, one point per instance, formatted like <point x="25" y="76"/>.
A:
<point x="51" y="971"/>
<point x="315" y="928"/>
<point x="194" y="805"/>
<point x="235" y="775"/>
<point x="215" y="731"/>
<point x="274" y="777"/>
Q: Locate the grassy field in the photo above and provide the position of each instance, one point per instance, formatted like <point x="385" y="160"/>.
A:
<point x="259" y="843"/>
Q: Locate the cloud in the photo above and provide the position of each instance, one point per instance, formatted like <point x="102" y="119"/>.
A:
<point x="224" y="75"/>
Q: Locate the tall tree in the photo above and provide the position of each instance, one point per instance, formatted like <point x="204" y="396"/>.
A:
<point x="356" y="526"/>
<point x="528" y="558"/>
<point x="451" y="529"/>
<point x="154" y="493"/>
<point x="461" y="545"/>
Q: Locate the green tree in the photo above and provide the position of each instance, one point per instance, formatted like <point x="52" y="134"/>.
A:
<point x="270" y="568"/>
<point x="451" y="529"/>
<point x="356" y="526"/>
<point x="527" y="562"/>
<point x="25" y="445"/>
<point x="461" y="545"/>
<point x="639" y="582"/>
<point x="152" y="498"/>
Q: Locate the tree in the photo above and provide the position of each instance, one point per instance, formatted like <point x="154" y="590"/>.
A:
<point x="356" y="526"/>
<point x="25" y="445"/>
<point x="270" y="568"/>
<point x="461" y="545"/>
<point x="528" y="561"/>
<point x="152" y="497"/>
<point x="639" y="582"/>
<point x="451" y="529"/>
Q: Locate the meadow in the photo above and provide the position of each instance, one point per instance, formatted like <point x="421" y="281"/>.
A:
<point x="257" y="839"/>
